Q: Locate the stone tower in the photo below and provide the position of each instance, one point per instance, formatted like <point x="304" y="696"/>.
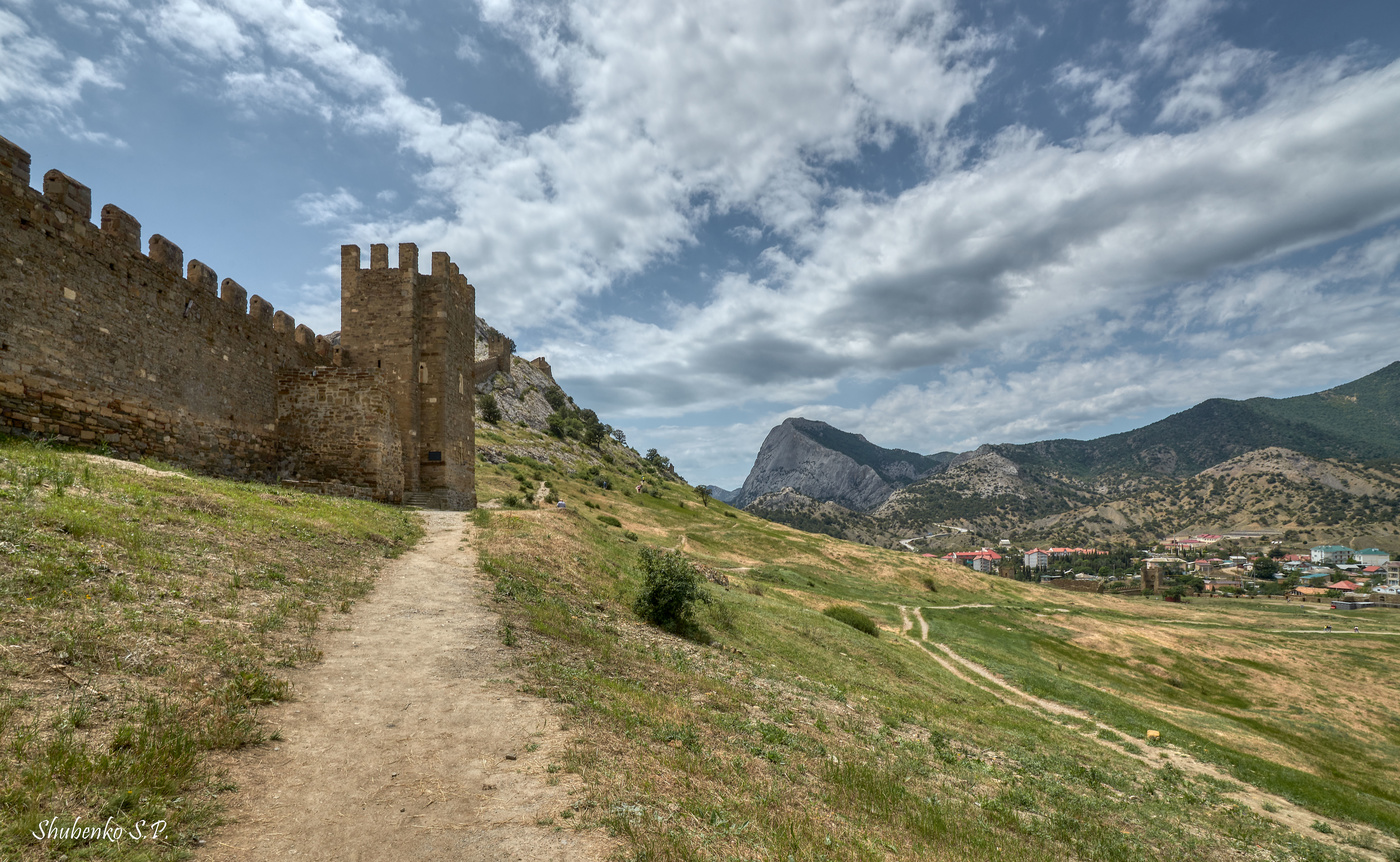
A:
<point x="418" y="331"/>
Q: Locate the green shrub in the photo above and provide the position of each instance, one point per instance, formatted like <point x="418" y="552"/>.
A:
<point x="853" y="618"/>
<point x="490" y="410"/>
<point x="929" y="582"/>
<point x="730" y="515"/>
<point x="670" y="591"/>
<point x="629" y="535"/>
<point x="609" y="520"/>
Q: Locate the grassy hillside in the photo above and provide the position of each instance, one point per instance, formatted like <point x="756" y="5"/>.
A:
<point x="145" y="616"/>
<point x="1359" y="421"/>
<point x="795" y="736"/>
<point x="1365" y="413"/>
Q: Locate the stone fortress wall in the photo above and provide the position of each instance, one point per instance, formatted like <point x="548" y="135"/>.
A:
<point x="104" y="345"/>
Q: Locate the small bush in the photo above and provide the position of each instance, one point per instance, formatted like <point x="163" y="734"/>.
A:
<point x="609" y="520"/>
<point x="730" y="515"/>
<point x="629" y="535"/>
<point x="932" y="587"/>
<point x="670" y="591"/>
<point x="853" y="618"/>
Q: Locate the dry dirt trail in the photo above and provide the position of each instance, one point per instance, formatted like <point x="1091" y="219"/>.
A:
<point x="411" y="740"/>
<point x="1263" y="803"/>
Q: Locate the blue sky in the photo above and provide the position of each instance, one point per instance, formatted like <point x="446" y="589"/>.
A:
<point x="936" y="223"/>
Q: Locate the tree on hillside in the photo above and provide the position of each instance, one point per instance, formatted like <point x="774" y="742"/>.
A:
<point x="595" y="434"/>
<point x="704" y="493"/>
<point x="490" y="410"/>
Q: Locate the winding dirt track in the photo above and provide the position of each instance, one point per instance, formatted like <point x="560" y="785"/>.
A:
<point x="1286" y="813"/>
<point x="410" y="741"/>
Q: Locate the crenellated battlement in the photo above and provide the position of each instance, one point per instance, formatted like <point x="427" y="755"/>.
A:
<point x="150" y="355"/>
<point x="63" y="209"/>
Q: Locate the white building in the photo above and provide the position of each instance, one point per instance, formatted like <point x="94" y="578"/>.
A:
<point x="1036" y="559"/>
<point x="1372" y="557"/>
<point x="1329" y="555"/>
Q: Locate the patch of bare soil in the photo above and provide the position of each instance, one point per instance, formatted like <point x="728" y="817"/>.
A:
<point x="411" y="740"/>
<point x="130" y="465"/>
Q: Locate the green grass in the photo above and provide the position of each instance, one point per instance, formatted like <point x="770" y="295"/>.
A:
<point x="144" y="620"/>
<point x="795" y="738"/>
<point x="853" y="618"/>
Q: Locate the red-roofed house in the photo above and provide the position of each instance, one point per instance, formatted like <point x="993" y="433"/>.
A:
<point x="1036" y="559"/>
<point x="985" y="560"/>
<point x="1345" y="586"/>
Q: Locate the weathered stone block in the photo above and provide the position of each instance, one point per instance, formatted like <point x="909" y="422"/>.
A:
<point x="234" y="296"/>
<point x="121" y="227"/>
<point x="260" y="311"/>
<point x="166" y="253"/>
<point x="201" y="277"/>
<point x="69" y="194"/>
<point x="14" y="162"/>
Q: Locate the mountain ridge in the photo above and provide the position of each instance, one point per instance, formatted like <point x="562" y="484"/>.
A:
<point x="1054" y="487"/>
<point x="826" y="463"/>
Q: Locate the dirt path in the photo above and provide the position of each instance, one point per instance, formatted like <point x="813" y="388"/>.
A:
<point x="1265" y="804"/>
<point x="410" y="741"/>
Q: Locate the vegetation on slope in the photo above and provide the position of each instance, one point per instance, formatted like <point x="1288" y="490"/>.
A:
<point x="145" y="616"/>
<point x="1359" y="421"/>
<point x="795" y="736"/>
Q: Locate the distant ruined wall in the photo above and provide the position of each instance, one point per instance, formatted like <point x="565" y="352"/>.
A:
<point x="103" y="344"/>
<point x="337" y="425"/>
<point x="485" y="368"/>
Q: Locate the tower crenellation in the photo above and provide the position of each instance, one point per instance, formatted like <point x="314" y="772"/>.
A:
<point x="65" y="192"/>
<point x="166" y="253"/>
<point x="201" y="277"/>
<point x="234" y="296"/>
<point x="122" y="228"/>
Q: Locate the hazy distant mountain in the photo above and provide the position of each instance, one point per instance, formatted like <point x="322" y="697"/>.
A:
<point x="1313" y="463"/>
<point x="831" y="465"/>
<point x="721" y="494"/>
